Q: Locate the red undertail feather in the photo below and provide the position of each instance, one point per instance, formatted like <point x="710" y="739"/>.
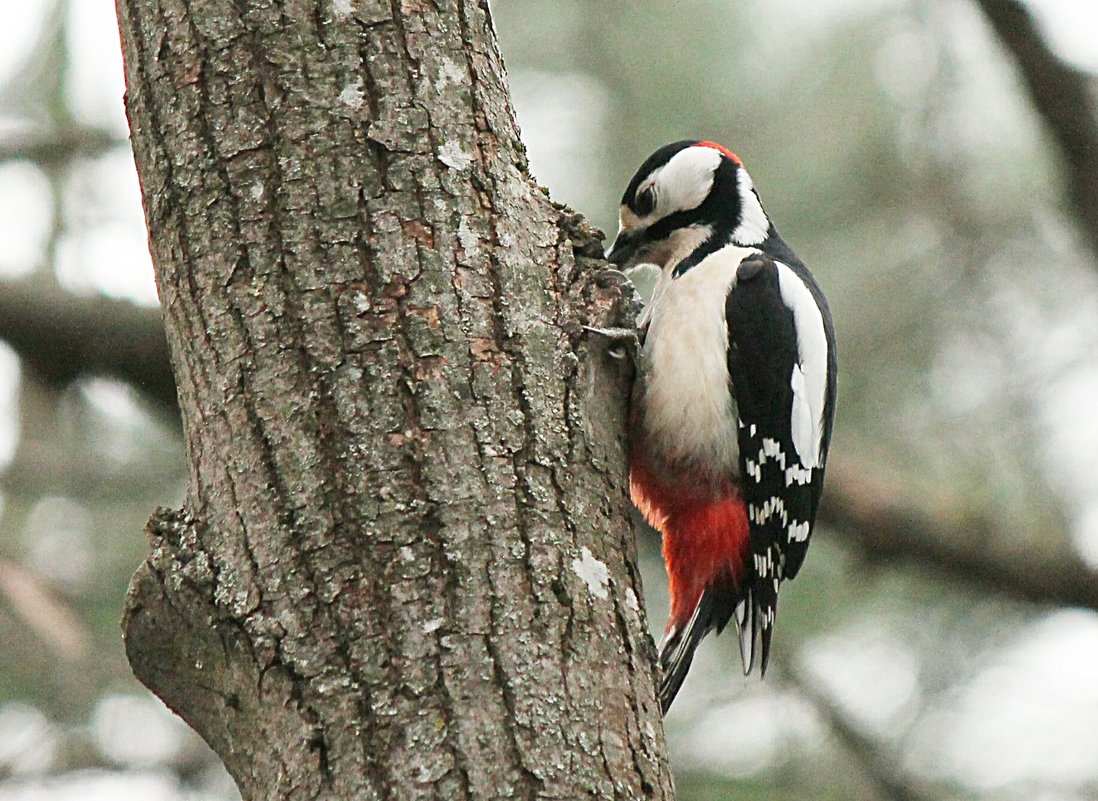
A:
<point x="705" y="538"/>
<point x="706" y="544"/>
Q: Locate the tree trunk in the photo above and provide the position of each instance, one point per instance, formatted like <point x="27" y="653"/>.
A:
<point x="404" y="568"/>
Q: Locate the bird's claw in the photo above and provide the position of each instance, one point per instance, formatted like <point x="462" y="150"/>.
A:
<point x="624" y="341"/>
<point x="611" y="276"/>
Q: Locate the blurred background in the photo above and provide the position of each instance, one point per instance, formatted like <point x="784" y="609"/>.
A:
<point x="897" y="148"/>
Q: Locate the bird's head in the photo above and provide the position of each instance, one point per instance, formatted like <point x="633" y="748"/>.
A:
<point x="687" y="196"/>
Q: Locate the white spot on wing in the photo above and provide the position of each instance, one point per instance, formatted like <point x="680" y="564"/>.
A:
<point x="809" y="377"/>
<point x="593" y="573"/>
<point x="796" y="474"/>
<point x="773" y="506"/>
<point x="798" y="532"/>
<point x="772" y="449"/>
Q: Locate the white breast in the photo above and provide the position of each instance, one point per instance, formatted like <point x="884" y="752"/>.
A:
<point x="689" y="412"/>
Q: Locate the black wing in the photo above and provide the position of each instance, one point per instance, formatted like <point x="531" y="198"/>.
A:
<point x="771" y="337"/>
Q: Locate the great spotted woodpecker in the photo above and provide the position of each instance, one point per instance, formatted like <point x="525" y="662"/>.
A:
<point x="731" y="416"/>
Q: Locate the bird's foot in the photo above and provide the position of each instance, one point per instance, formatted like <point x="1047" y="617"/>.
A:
<point x="623" y="342"/>
<point x="612" y="277"/>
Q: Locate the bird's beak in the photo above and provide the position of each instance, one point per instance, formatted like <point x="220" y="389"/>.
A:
<point x="627" y="245"/>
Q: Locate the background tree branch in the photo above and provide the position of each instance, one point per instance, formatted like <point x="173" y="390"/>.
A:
<point x="61" y="336"/>
<point x="885" y="775"/>
<point x="1064" y="97"/>
<point x="58" y="147"/>
<point x="962" y="545"/>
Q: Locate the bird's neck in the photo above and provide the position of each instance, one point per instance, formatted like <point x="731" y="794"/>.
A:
<point x="716" y="237"/>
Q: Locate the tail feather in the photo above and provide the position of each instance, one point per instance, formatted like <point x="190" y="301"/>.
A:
<point x="715" y="608"/>
<point x="745" y="617"/>
<point x="756" y="627"/>
<point x="676" y="655"/>
<point x="718" y="604"/>
<point x="764" y="638"/>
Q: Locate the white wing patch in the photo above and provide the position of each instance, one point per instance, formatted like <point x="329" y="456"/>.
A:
<point x="801" y="422"/>
<point x="809" y="377"/>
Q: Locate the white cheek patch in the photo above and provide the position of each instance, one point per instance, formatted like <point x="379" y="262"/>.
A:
<point x="684" y="182"/>
<point x="809" y="377"/>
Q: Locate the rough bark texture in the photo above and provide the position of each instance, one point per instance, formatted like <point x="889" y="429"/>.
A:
<point x="404" y="568"/>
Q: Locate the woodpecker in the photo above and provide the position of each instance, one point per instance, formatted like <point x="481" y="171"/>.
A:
<point x="731" y="415"/>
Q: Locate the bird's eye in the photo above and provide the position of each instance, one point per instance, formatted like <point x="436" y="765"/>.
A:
<point x="645" y="201"/>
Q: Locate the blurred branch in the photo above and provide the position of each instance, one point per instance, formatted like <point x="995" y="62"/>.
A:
<point x="962" y="546"/>
<point x="877" y="765"/>
<point x="58" y="147"/>
<point x="51" y="619"/>
<point x="1063" y="96"/>
<point x="61" y="336"/>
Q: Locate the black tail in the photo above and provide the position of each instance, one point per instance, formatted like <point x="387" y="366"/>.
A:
<point x="715" y="608"/>
<point x="756" y="626"/>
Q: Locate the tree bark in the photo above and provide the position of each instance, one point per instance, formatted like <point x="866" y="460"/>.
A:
<point x="404" y="568"/>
